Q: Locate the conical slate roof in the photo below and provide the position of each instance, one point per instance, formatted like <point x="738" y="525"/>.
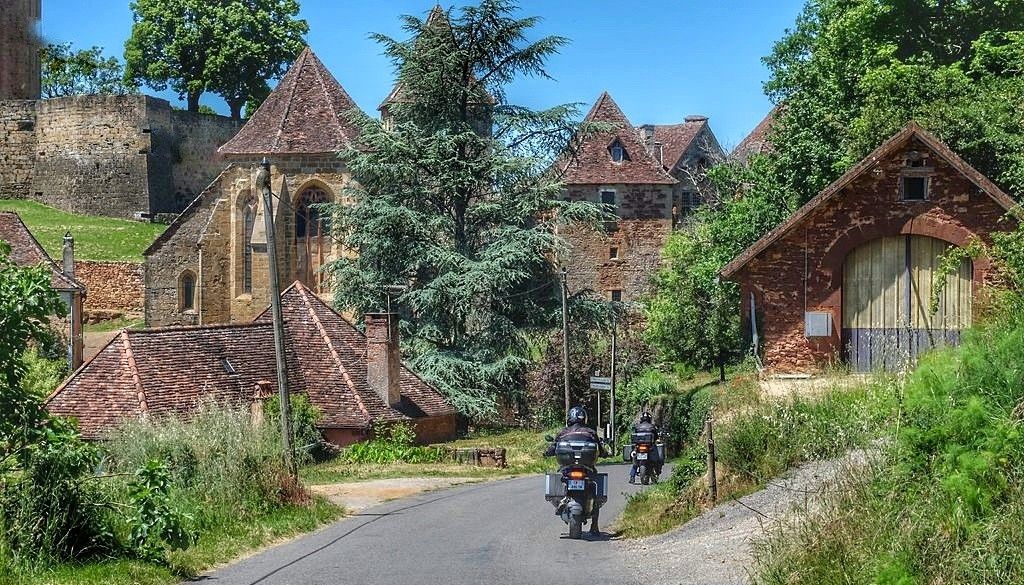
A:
<point x="307" y="113"/>
<point x="593" y="164"/>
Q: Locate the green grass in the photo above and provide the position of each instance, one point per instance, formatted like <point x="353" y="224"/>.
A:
<point x="114" y="325"/>
<point x="524" y="455"/>
<point x="96" y="238"/>
<point x="216" y="546"/>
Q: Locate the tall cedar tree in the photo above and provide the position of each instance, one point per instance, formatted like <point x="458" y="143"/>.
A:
<point x="456" y="200"/>
<point x="229" y="47"/>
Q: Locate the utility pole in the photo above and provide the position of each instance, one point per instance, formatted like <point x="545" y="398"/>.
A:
<point x="611" y="415"/>
<point x="263" y="184"/>
<point x="565" y="338"/>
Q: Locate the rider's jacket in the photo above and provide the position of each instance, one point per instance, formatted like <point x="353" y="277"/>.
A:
<point x="646" y="427"/>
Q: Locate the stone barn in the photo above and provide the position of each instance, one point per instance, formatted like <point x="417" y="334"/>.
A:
<point x="850" y="276"/>
<point x="352" y="379"/>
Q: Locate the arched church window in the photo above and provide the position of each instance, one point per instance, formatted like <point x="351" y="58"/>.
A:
<point x="312" y="227"/>
<point x="248" y="223"/>
<point x="187" y="291"/>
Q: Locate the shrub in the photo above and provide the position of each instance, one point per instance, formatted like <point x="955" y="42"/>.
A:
<point x="308" y="441"/>
<point x="392" y="442"/>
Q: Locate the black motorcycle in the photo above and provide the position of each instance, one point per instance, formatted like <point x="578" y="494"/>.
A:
<point x="648" y="457"/>
<point x="577" y="491"/>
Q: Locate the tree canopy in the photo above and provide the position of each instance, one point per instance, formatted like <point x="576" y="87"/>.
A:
<point x="456" y="203"/>
<point x="68" y="72"/>
<point x="229" y="47"/>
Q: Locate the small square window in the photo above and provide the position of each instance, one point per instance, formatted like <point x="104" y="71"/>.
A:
<point x="608" y="197"/>
<point x="613" y="253"/>
<point x="616" y="296"/>
<point x="915" y="188"/>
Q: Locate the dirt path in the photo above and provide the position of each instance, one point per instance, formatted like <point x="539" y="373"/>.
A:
<point x="358" y="495"/>
<point x="716" y="547"/>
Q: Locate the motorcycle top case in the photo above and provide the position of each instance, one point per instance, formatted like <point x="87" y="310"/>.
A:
<point x="554" y="487"/>
<point x="569" y="452"/>
<point x="642" y="438"/>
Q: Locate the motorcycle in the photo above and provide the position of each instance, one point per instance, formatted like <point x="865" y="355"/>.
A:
<point x="577" y="490"/>
<point x="648" y="456"/>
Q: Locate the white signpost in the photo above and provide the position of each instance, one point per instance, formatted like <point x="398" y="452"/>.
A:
<point x="600" y="383"/>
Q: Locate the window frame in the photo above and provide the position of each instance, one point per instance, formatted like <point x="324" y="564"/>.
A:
<point x="187" y="303"/>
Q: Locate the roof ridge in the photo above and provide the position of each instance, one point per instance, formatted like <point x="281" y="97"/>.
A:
<point x="134" y="369"/>
<point x="334" y="352"/>
<point x="57" y="270"/>
<point x="299" y="65"/>
<point x="210" y="327"/>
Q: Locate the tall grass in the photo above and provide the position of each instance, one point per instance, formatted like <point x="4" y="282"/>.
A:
<point x="946" y="505"/>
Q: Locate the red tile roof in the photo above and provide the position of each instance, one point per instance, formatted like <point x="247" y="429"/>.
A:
<point x="307" y="113"/>
<point x="676" y="139"/>
<point x="593" y="164"/>
<point x="757" y="141"/>
<point x="168" y="371"/>
<point x="912" y="130"/>
<point x="26" y="251"/>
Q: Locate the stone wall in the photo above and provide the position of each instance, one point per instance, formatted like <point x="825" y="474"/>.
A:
<point x="111" y="286"/>
<point x="868" y="208"/>
<point x="119" y="156"/>
<point x="17" y="147"/>
<point x="628" y="253"/>
<point x="208" y="240"/>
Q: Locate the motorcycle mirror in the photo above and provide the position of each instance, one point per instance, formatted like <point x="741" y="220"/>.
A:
<point x="548" y="438"/>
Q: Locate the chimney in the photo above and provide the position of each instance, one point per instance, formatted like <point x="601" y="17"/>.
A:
<point x="647" y="130"/>
<point x="659" y="152"/>
<point x="261" y="392"/>
<point x="68" y="266"/>
<point x="383" y="361"/>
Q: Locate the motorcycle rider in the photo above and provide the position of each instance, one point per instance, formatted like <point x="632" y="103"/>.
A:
<point x="576" y="429"/>
<point x="645" y="425"/>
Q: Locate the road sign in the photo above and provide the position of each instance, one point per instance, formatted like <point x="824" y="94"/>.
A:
<point x="600" y="383"/>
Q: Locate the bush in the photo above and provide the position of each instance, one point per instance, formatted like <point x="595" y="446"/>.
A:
<point x="308" y="441"/>
<point x="392" y="442"/>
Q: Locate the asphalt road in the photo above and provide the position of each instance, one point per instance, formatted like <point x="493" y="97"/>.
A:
<point x="491" y="533"/>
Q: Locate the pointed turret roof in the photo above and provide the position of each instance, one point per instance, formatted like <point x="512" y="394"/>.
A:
<point x="593" y="164"/>
<point x="307" y="113"/>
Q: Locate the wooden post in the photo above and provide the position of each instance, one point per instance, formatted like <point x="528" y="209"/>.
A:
<point x="263" y="182"/>
<point x="565" y="339"/>
<point x="611" y="415"/>
<point x="712" y="477"/>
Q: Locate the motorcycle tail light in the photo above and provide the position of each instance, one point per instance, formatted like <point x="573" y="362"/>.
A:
<point x="642" y="448"/>
<point x="577" y="474"/>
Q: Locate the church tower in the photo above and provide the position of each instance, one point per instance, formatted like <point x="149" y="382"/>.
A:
<point x="19" y="49"/>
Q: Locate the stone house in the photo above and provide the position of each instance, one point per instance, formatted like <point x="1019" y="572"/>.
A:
<point x="352" y="379"/>
<point x="650" y="176"/>
<point x="850" y="276"/>
<point x="26" y="251"/>
<point x="210" y="265"/>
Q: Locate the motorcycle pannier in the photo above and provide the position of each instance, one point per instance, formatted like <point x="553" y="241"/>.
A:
<point x="627" y="453"/>
<point x="581" y="452"/>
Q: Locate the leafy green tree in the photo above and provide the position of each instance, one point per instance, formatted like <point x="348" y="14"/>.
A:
<point x="852" y="72"/>
<point x="230" y="47"/>
<point x="456" y="202"/>
<point x="67" y="72"/>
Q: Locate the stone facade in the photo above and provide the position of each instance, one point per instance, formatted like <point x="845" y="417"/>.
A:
<point x="113" y="286"/>
<point x="119" y="156"/>
<point x="802" y="269"/>
<point x="19" y="55"/>
<point x="625" y="255"/>
<point x="208" y="240"/>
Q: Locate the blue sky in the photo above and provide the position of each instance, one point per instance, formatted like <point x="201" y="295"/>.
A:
<point x="660" y="59"/>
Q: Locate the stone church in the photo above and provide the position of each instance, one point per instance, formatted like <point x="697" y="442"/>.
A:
<point x="210" y="265"/>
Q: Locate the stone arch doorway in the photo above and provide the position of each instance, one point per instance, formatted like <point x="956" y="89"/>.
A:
<point x="888" y="287"/>
<point x="312" y="236"/>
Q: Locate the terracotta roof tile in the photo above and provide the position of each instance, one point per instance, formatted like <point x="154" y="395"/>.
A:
<point x="757" y="141"/>
<point x="593" y="164"/>
<point x="161" y="372"/>
<point x="307" y="113"/>
<point x="676" y="139"/>
<point x="26" y="251"/>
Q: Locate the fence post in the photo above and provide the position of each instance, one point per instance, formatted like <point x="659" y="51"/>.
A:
<point x="712" y="477"/>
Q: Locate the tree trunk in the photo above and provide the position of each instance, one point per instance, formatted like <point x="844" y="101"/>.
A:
<point x="236" y="108"/>
<point x="193" y="101"/>
<point x="721" y="369"/>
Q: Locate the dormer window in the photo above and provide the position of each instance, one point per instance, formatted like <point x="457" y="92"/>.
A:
<point x="618" y="152"/>
<point x="915" y="179"/>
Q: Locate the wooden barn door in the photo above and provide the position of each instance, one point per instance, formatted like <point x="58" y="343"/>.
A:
<point x="887" y="301"/>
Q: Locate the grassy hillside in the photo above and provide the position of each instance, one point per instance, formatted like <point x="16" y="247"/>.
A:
<point x="96" y="238"/>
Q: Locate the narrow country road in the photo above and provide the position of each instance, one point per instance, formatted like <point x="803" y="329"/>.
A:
<point x="494" y="533"/>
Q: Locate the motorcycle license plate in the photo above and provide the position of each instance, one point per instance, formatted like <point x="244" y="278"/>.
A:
<point x="641" y="456"/>
<point x="576" y="484"/>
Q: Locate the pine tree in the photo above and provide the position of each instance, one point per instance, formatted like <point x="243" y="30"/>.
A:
<point x="456" y="200"/>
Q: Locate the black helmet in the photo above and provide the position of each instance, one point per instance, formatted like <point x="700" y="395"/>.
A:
<point x="576" y="416"/>
<point x="646" y="417"/>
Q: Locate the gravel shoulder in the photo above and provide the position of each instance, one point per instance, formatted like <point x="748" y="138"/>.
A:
<point x="716" y="548"/>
